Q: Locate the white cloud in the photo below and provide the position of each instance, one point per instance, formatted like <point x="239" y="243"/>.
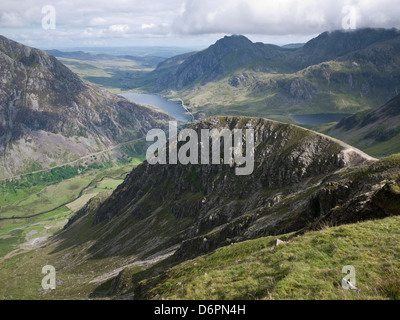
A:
<point x="195" y="21"/>
<point x="11" y="19"/>
<point x="97" y="21"/>
<point x="280" y="17"/>
<point x="119" y="28"/>
<point x="148" y="26"/>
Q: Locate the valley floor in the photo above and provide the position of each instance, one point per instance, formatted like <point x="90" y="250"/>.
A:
<point x="32" y="214"/>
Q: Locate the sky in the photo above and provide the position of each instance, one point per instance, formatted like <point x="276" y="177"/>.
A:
<point x="49" y="24"/>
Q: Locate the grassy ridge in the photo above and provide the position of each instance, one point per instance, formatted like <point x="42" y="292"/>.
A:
<point x="307" y="267"/>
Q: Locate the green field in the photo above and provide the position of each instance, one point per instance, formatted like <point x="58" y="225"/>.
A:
<point x="55" y="204"/>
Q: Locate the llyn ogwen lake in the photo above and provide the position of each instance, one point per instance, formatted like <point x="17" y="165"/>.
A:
<point x="173" y="108"/>
<point x="318" y="119"/>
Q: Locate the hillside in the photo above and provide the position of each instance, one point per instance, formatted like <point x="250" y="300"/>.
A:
<point x="194" y="200"/>
<point x="163" y="215"/>
<point x="307" y="267"/>
<point x="43" y="103"/>
<point x="332" y="45"/>
<point x="376" y="132"/>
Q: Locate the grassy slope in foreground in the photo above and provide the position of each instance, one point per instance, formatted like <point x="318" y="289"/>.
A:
<point x="307" y="267"/>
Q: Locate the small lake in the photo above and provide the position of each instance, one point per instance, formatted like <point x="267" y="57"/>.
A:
<point x="173" y="108"/>
<point x="318" y="119"/>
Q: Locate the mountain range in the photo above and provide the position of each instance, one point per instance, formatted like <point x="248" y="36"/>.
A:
<point x="49" y="116"/>
<point x="170" y="223"/>
<point x="336" y="72"/>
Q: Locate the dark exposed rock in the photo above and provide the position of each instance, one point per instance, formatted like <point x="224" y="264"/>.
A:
<point x="236" y="81"/>
<point x="225" y="206"/>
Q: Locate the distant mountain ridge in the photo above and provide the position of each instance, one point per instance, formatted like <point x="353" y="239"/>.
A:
<point x="377" y="132"/>
<point x="227" y="55"/>
<point x="293" y="45"/>
<point x="233" y="53"/>
<point x="337" y="72"/>
<point x="332" y="45"/>
<point x="150" y="61"/>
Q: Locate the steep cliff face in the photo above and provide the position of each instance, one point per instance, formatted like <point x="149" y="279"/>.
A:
<point x="195" y="208"/>
<point x="285" y="156"/>
<point x="49" y="115"/>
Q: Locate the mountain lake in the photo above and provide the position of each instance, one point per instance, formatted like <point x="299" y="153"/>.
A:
<point x="318" y="119"/>
<point x="173" y="108"/>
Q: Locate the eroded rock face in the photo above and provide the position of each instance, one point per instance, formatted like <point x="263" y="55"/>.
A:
<point x="49" y="115"/>
<point x="344" y="204"/>
<point x="202" y="199"/>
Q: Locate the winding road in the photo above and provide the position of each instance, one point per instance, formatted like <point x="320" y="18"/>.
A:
<point x="72" y="162"/>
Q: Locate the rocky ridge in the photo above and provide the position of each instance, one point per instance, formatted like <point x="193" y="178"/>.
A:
<point x="202" y="207"/>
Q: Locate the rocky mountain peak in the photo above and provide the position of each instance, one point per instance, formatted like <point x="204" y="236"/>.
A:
<point x="234" y="41"/>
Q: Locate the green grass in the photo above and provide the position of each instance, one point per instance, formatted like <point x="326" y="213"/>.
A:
<point x="307" y="267"/>
<point x="381" y="149"/>
<point x="20" y="201"/>
<point x="10" y="241"/>
<point x="13" y="233"/>
<point x="261" y="93"/>
<point x="47" y="198"/>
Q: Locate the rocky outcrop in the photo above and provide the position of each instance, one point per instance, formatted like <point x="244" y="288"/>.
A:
<point x="202" y="207"/>
<point x="238" y="80"/>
